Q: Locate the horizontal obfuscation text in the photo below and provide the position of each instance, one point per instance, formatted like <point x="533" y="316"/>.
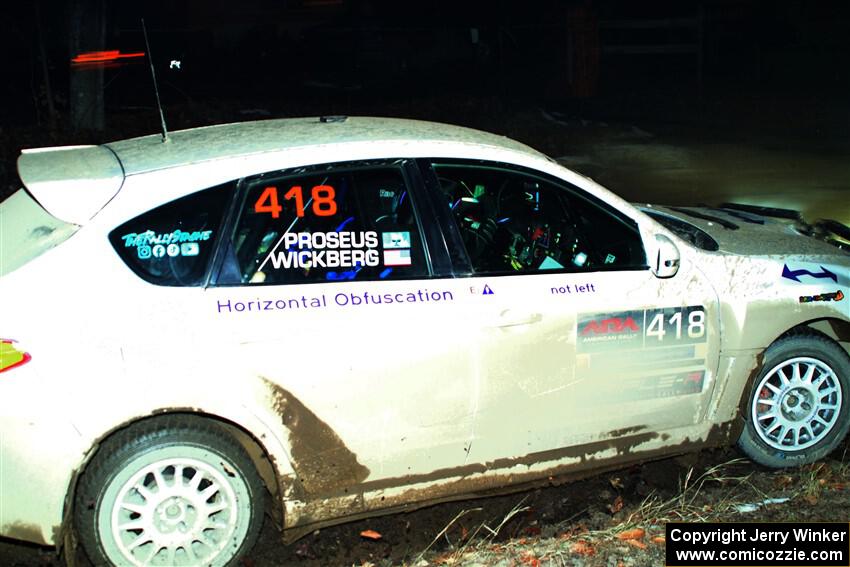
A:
<point x="323" y="301"/>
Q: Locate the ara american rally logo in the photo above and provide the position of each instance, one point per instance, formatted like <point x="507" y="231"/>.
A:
<point x="616" y="328"/>
<point x="613" y="325"/>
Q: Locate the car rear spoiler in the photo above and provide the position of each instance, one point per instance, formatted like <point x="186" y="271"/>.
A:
<point x="72" y="183"/>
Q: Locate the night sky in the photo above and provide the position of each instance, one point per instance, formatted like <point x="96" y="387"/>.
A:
<point x="279" y="55"/>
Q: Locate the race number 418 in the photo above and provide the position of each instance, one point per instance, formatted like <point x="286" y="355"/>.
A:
<point x="679" y="323"/>
<point x="322" y="199"/>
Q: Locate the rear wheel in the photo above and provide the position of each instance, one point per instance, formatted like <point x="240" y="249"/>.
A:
<point x="169" y="492"/>
<point x="799" y="408"/>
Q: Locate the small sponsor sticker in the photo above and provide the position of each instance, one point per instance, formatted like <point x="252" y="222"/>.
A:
<point x="150" y="244"/>
<point x="397" y="258"/>
<point x="834" y="296"/>
<point x="396" y="240"/>
<point x="795" y="275"/>
<point x="189" y="249"/>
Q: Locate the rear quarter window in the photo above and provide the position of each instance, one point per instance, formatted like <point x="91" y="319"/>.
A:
<point x="28" y="231"/>
<point x="172" y="244"/>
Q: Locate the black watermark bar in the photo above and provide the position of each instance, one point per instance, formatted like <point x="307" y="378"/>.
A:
<point x="816" y="544"/>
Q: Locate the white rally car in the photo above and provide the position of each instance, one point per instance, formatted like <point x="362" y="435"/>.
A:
<point x="324" y="319"/>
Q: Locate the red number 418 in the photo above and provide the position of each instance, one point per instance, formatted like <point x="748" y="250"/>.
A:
<point x="321" y="197"/>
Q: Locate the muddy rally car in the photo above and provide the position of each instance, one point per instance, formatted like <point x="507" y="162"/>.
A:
<point x="308" y="321"/>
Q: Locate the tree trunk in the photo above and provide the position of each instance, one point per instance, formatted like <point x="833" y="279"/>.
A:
<point x="87" y="32"/>
<point x="45" y="71"/>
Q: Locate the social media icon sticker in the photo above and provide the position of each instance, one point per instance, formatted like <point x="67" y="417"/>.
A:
<point x="189" y="249"/>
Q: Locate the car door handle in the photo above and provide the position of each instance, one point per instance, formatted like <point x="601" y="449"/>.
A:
<point x="511" y="318"/>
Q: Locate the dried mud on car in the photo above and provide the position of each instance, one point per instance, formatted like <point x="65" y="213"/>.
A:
<point x="613" y="519"/>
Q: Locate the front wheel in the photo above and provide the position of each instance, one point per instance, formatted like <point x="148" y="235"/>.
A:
<point x="169" y="492"/>
<point x="798" y="410"/>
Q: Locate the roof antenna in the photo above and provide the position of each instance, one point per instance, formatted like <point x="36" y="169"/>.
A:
<point x="155" y="88"/>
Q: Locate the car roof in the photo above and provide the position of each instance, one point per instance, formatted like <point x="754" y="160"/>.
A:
<point x="74" y="182"/>
<point x="245" y="138"/>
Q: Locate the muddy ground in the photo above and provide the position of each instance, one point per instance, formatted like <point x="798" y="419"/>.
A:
<point x="608" y="520"/>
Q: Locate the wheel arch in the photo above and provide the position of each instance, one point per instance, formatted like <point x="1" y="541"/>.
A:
<point x="270" y="461"/>
<point x="832" y="330"/>
<point x="836" y="329"/>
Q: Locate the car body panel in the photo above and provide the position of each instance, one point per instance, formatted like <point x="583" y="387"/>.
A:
<point x="565" y="345"/>
<point x="760" y="235"/>
<point x="252" y="139"/>
<point x="28" y="422"/>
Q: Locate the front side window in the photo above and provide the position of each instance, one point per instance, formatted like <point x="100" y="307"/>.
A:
<point x="515" y="221"/>
<point x="172" y="244"/>
<point x="325" y="225"/>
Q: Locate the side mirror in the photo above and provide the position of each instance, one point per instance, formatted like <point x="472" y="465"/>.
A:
<point x="666" y="261"/>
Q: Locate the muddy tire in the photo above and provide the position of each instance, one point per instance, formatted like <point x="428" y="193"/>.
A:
<point x="171" y="491"/>
<point x="798" y="410"/>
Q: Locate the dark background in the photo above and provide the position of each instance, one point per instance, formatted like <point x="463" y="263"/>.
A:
<point x="779" y="69"/>
<point x="351" y="54"/>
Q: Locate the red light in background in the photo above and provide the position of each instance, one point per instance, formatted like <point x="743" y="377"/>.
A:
<point x="97" y="57"/>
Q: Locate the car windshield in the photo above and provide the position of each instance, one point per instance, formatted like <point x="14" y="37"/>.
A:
<point x="27" y="231"/>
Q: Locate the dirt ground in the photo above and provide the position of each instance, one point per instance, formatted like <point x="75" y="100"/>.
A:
<point x="668" y="151"/>
<point x="608" y="520"/>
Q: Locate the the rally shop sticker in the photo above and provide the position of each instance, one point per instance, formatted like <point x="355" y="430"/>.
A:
<point x="640" y="329"/>
<point x="150" y="244"/>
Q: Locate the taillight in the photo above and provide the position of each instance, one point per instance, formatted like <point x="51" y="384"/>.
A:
<point x="10" y="356"/>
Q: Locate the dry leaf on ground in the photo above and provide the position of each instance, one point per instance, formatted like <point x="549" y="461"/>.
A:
<point x="370" y="534"/>
<point x="636" y="533"/>
<point x="581" y="547"/>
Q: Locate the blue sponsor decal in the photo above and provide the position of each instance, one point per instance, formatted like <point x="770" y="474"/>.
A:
<point x="794" y="275"/>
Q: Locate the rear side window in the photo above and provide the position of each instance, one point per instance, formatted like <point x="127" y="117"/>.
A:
<point x="325" y="225"/>
<point x="27" y="231"/>
<point x="172" y="244"/>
